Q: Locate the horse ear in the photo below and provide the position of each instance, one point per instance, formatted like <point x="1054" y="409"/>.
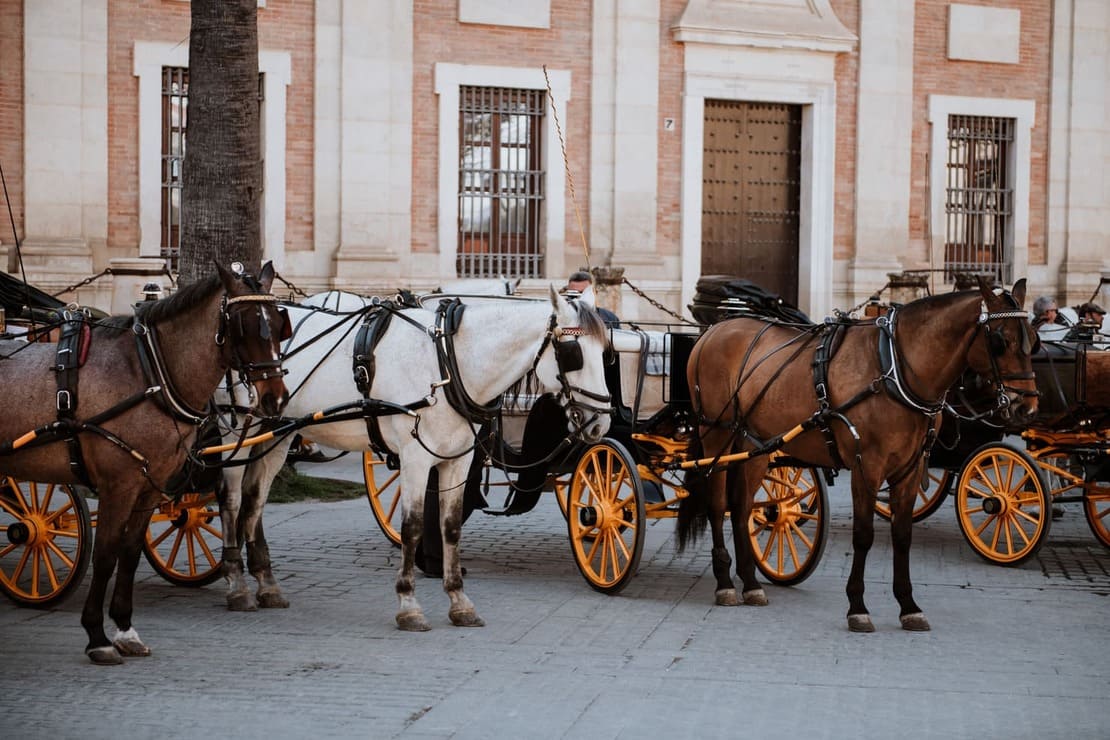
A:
<point x="226" y="277"/>
<point x="266" y="276"/>
<point x="557" y="301"/>
<point x="985" y="288"/>
<point x="1018" y="292"/>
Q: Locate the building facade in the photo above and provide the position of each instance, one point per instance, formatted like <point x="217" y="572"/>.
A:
<point x="814" y="146"/>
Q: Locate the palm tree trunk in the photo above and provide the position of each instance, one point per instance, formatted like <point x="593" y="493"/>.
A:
<point x="222" y="183"/>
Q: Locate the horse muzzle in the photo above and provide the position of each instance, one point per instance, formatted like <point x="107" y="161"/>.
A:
<point x="587" y="423"/>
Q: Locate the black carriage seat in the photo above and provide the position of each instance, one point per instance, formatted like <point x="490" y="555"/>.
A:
<point x="1073" y="379"/>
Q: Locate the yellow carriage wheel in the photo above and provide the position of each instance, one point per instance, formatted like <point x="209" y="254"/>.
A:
<point x="605" y="516"/>
<point x="930" y="495"/>
<point x="1003" y="504"/>
<point x="383" y="489"/>
<point x="184" y="541"/>
<point x="789" y="523"/>
<point x="1096" y="506"/>
<point x="45" y="541"/>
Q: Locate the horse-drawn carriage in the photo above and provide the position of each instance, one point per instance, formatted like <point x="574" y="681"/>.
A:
<point x="608" y="488"/>
<point x="1009" y="482"/>
<point x="723" y="397"/>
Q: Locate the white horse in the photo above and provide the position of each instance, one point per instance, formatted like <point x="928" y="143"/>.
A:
<point x="497" y="343"/>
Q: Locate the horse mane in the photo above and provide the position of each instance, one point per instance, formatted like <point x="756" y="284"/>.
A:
<point x="528" y="387"/>
<point x="590" y="321"/>
<point x="154" y="312"/>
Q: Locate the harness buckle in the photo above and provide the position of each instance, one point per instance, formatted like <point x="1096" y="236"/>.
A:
<point x="65" y="400"/>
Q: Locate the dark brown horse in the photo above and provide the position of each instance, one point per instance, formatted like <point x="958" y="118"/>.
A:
<point x="136" y="403"/>
<point x="865" y="397"/>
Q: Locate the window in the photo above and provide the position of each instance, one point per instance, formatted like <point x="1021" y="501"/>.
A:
<point x="979" y="197"/>
<point x="175" y="104"/>
<point x="501" y="180"/>
<point x="175" y="107"/>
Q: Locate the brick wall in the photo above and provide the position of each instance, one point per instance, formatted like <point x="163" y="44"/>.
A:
<point x="668" y="227"/>
<point x="284" y="24"/>
<point x="11" y="115"/>
<point x="847" y="111"/>
<point x="1028" y="80"/>
<point x="439" y="37"/>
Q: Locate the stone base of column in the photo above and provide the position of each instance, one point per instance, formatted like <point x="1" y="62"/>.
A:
<point x="130" y="275"/>
<point x="363" y="269"/>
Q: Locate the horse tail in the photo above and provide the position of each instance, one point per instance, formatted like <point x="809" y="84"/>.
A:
<point x="693" y="510"/>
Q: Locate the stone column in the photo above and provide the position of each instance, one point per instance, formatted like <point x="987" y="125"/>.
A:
<point x="66" y="144"/>
<point x="624" y="147"/>
<point x="607" y="288"/>
<point x="375" y="177"/>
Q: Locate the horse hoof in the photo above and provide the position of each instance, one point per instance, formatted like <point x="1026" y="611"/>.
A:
<point x="106" y="655"/>
<point x="755" y="597"/>
<point x="466" y="618"/>
<point x="915" y="622"/>
<point x="860" y="623"/>
<point x="727" y="597"/>
<point x="128" y="643"/>
<point x="132" y="648"/>
<point x="272" y="600"/>
<point x="242" y="602"/>
<point x="413" y="621"/>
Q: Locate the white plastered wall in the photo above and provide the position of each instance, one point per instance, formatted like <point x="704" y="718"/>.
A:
<point x="884" y="132"/>
<point x="1078" y="232"/>
<point x="65" y="111"/>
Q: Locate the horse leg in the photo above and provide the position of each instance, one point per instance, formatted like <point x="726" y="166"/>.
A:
<point x="114" y="504"/>
<point x="127" y="641"/>
<point x="230" y="494"/>
<point x="256" y="489"/>
<point x="864" y="490"/>
<point x="742" y="494"/>
<point x="725" y="595"/>
<point x="414" y="481"/>
<point x="452" y="478"/>
<point x="902" y="498"/>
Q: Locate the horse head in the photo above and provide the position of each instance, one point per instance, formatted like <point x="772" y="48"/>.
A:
<point x="575" y="367"/>
<point x="1003" y="348"/>
<point x="252" y="328"/>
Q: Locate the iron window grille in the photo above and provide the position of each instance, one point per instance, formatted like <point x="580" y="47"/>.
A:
<point x="500" y="182"/>
<point x="175" y="110"/>
<point x="979" y="197"/>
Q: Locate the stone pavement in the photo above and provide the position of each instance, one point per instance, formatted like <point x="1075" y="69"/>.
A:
<point x="1014" y="652"/>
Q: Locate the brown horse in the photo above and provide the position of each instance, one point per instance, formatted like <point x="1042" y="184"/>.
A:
<point x="134" y="410"/>
<point x="866" y="396"/>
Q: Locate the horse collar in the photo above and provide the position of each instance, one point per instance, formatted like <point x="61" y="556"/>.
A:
<point x="888" y="366"/>
<point x="158" y="378"/>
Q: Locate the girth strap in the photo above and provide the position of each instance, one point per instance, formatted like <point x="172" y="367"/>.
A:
<point x="831" y="338"/>
<point x="369" y="334"/>
<point x="72" y="350"/>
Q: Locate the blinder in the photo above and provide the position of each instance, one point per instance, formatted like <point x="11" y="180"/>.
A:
<point x="568" y="355"/>
<point x="286" y="323"/>
<point x="996" y="342"/>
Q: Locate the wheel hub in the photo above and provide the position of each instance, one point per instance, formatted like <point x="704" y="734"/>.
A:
<point x="994" y="505"/>
<point x="587" y="517"/>
<point x="22" y="533"/>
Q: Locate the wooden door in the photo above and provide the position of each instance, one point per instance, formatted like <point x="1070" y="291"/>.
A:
<point x="750" y="191"/>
